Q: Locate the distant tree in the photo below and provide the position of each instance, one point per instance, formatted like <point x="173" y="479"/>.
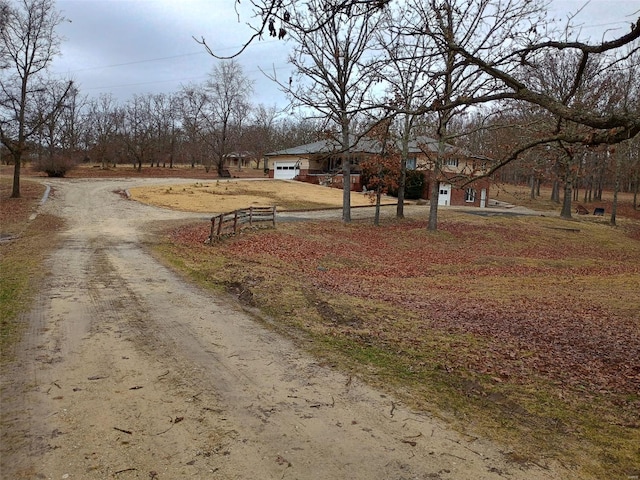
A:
<point x="164" y="119"/>
<point x="57" y="128"/>
<point x="228" y="91"/>
<point x="28" y="42"/>
<point x="260" y="134"/>
<point x="193" y="104"/>
<point x="103" y="115"/>
<point x="137" y="132"/>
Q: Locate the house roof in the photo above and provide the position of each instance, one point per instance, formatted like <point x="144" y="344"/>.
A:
<point x="367" y="145"/>
<point x="328" y="146"/>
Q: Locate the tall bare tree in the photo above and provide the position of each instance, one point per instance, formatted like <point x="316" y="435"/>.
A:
<point x="334" y="70"/>
<point x="488" y="28"/>
<point x="228" y="91"/>
<point x="29" y="42"/>
<point x="406" y="68"/>
<point x="138" y="129"/>
<point x="193" y="102"/>
<point x="103" y="116"/>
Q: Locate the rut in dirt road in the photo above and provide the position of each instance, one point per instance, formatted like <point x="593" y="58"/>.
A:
<point x="126" y="371"/>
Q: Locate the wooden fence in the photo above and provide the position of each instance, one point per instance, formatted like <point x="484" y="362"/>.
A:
<point x="233" y="222"/>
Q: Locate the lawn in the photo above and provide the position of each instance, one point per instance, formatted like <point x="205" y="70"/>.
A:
<point x="222" y="196"/>
<point x="522" y="329"/>
<point x="24" y="243"/>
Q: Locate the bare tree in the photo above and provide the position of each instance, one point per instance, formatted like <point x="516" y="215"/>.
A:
<point x="406" y="68"/>
<point x="334" y="71"/>
<point x="260" y="134"/>
<point x="228" y="90"/>
<point x="103" y="124"/>
<point x="164" y="112"/>
<point x="29" y="43"/>
<point x="485" y="27"/>
<point x="56" y="127"/>
<point x="138" y="129"/>
<point x="193" y="107"/>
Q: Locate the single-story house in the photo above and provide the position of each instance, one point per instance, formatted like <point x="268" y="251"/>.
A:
<point x="239" y="160"/>
<point x="321" y="163"/>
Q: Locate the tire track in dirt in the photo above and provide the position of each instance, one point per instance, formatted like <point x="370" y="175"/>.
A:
<point x="144" y="376"/>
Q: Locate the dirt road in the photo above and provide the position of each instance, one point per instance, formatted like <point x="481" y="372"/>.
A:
<point x="126" y="371"/>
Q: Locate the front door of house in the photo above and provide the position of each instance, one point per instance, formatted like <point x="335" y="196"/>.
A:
<point x="444" y="197"/>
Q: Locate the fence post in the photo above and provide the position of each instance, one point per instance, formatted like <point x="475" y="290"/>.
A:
<point x="220" y="217"/>
<point x="213" y="225"/>
<point x="250" y="215"/>
<point x="235" y="222"/>
<point x="274" y="216"/>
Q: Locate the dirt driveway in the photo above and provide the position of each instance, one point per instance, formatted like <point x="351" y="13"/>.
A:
<point x="126" y="371"/>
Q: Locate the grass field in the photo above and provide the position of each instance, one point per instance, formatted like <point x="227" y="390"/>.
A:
<point x="523" y="329"/>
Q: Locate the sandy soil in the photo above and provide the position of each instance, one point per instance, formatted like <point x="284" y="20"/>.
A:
<point x="126" y="371"/>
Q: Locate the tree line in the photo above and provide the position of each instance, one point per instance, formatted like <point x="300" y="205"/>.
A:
<point x="469" y="71"/>
<point x="498" y="78"/>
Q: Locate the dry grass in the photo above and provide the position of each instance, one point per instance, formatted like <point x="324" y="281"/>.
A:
<point x="21" y="258"/>
<point x="222" y="196"/>
<point x="520" y="195"/>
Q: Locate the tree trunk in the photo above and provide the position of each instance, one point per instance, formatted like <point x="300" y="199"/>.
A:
<point x="616" y="189"/>
<point x="15" y="192"/>
<point x="376" y="218"/>
<point x="346" y="173"/>
<point x="433" y="205"/>
<point x="401" y="186"/>
<point x="403" y="167"/>
<point x="566" y="203"/>
<point x="555" y="191"/>
<point x="532" y="182"/>
<point x="635" y="190"/>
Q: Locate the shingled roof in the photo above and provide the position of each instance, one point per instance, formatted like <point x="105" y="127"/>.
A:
<point x="363" y="145"/>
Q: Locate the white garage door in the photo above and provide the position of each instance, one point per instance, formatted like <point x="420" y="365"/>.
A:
<point x="286" y="170"/>
<point x="445" y="194"/>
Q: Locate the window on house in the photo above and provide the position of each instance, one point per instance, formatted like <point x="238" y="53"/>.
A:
<point x="451" y="162"/>
<point x="411" y="163"/>
<point x="470" y="195"/>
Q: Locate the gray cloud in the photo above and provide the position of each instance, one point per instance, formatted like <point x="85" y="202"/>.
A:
<point x="131" y="47"/>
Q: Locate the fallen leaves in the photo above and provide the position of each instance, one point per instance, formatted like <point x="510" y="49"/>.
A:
<point x="531" y="317"/>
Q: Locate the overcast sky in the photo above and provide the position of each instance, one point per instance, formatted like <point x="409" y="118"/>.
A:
<point x="128" y="47"/>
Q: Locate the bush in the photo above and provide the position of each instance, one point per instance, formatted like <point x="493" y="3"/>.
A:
<point x="55" y="167"/>
<point x="414" y="185"/>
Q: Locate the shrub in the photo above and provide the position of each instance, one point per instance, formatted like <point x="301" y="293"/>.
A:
<point x="414" y="185"/>
<point x="56" y="166"/>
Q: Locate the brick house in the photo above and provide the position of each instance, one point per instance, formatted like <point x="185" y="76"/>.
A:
<point x="321" y="163"/>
